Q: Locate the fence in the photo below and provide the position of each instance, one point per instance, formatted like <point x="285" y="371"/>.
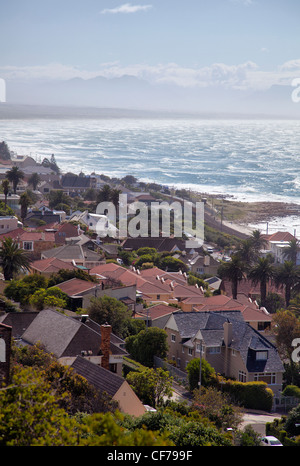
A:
<point x="284" y="403"/>
<point x="178" y="375"/>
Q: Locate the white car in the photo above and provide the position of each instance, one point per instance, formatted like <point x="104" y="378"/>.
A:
<point x="270" y="441"/>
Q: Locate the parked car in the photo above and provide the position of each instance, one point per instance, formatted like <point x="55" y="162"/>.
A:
<point x="270" y="441"/>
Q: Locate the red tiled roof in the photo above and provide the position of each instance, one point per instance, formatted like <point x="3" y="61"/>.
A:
<point x="38" y="236"/>
<point x="75" y="286"/>
<point x="51" y="265"/>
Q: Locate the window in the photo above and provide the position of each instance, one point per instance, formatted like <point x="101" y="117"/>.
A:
<point x="261" y="355"/>
<point x="190" y="353"/>
<point x="214" y="350"/>
<point x="242" y="376"/>
<point x="28" y="245"/>
<point x="173" y="337"/>
<point x="268" y="377"/>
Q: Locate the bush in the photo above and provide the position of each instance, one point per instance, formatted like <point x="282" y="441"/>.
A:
<point x="251" y="395"/>
<point x="291" y="390"/>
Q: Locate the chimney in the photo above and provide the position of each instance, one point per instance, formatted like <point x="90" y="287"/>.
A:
<point x="105" y="344"/>
<point x="206" y="260"/>
<point x="227" y="333"/>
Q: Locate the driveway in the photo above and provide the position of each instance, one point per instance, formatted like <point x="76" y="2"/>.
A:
<point x="258" y="420"/>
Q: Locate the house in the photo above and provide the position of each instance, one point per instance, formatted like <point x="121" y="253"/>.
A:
<point x="35" y="242"/>
<point x="12" y="201"/>
<point x="67" y="337"/>
<point x="152" y="288"/>
<point x="201" y="264"/>
<point x="79" y="291"/>
<point x="49" y="266"/>
<point x="258" y="318"/>
<point x="229" y="344"/>
<point x="248" y="288"/>
<point x="156" y="315"/>
<point x="74" y="254"/>
<point x="9" y="223"/>
<point x="35" y="218"/>
<point x="161" y="244"/>
<point x="96" y="223"/>
<point x="64" y="231"/>
<point x="113" y="384"/>
<point x="18" y="321"/>
<point x="76" y="184"/>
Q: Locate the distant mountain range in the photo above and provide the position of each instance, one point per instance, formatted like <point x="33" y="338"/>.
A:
<point x="131" y="96"/>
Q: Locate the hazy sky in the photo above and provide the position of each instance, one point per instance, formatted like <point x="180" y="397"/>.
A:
<point x="242" y="43"/>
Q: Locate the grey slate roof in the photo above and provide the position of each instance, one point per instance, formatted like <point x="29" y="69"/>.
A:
<point x="72" y="251"/>
<point x="65" y="336"/>
<point x="245" y="338"/>
<point x="100" y="378"/>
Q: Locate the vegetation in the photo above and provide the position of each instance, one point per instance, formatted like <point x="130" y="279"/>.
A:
<point x="12" y="258"/>
<point x="147" y="344"/>
<point x="14" y="175"/>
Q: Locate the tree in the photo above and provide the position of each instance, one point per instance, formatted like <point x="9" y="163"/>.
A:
<point x="217" y="407"/>
<point x="12" y="258"/>
<point x="52" y="297"/>
<point x="291" y="251"/>
<point x="30" y="415"/>
<point x="208" y="373"/>
<point x="21" y="290"/>
<point x="262" y="272"/>
<point x="15" y="175"/>
<point x="258" y="241"/>
<point x="147" y="344"/>
<point x="57" y="198"/>
<point x="247" y="252"/>
<point x="104" y="194"/>
<point x="151" y="386"/>
<point x="112" y="311"/>
<point x="24" y="202"/>
<point x="34" y="180"/>
<point x="4" y="151"/>
<point x="234" y="271"/>
<point x="5" y="187"/>
<point x="286" y="328"/>
<point x="287" y="275"/>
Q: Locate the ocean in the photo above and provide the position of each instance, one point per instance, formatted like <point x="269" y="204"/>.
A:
<point x="248" y="160"/>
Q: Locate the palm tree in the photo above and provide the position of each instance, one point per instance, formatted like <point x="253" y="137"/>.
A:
<point x="261" y="273"/>
<point x="234" y="271"/>
<point x="5" y="187"/>
<point x="25" y="203"/>
<point x="15" y="175"/>
<point x="34" y="180"/>
<point x="291" y="251"/>
<point x="247" y="252"/>
<point x="287" y="276"/>
<point x="257" y="239"/>
<point x="12" y="258"/>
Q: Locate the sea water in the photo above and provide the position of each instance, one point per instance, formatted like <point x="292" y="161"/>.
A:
<point x="249" y="160"/>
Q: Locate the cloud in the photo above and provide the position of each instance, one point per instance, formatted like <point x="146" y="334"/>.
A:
<point x="126" y="8"/>
<point x="243" y="2"/>
<point x="242" y="76"/>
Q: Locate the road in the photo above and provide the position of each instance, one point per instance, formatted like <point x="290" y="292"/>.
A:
<point x="258" y="420"/>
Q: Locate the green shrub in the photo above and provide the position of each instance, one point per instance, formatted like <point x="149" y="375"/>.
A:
<point x="251" y="395"/>
<point x="292" y="390"/>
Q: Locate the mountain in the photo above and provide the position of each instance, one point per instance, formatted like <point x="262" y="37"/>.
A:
<point x="129" y="92"/>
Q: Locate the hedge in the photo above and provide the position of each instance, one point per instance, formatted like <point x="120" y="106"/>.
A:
<point x="250" y="395"/>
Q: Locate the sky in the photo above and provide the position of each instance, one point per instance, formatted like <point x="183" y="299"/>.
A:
<point x="241" y="44"/>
